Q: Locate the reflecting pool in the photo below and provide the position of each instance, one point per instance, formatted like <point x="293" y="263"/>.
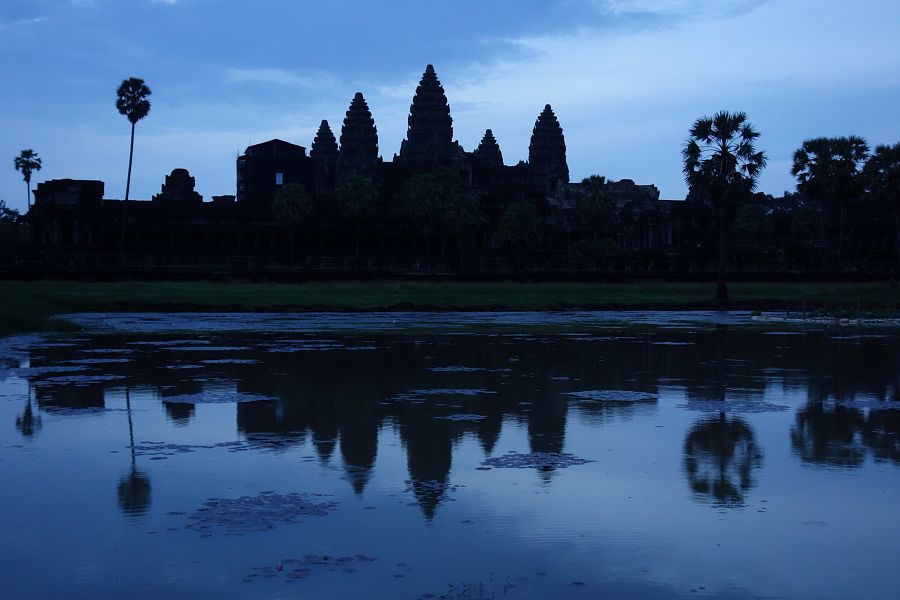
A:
<point x="454" y="455"/>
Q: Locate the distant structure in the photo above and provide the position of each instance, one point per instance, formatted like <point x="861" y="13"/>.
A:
<point x="491" y="231"/>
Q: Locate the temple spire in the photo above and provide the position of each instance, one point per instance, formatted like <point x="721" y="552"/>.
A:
<point x="547" y="152"/>
<point x="324" y="148"/>
<point x="359" y="137"/>
<point x="488" y="150"/>
<point x="429" y="137"/>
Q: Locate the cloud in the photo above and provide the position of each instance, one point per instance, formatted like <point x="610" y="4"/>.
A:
<point x="277" y="77"/>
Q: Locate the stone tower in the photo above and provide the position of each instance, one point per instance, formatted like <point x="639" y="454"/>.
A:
<point x="359" y="138"/>
<point x="547" y="152"/>
<point x="488" y="150"/>
<point x="429" y="138"/>
<point x="324" y="148"/>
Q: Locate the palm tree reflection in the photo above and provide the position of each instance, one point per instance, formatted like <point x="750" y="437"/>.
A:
<point x="134" y="488"/>
<point x="28" y="423"/>
<point x="720" y="454"/>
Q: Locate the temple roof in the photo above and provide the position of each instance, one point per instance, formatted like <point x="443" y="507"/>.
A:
<point x="488" y="150"/>
<point x="547" y="151"/>
<point x="324" y="146"/>
<point x="429" y="136"/>
<point x="359" y="137"/>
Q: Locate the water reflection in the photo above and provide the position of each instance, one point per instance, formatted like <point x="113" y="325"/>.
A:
<point x="338" y="394"/>
<point x="720" y="454"/>
<point x="28" y="423"/>
<point x="134" y="488"/>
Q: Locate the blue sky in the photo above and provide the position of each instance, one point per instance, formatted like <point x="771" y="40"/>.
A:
<point x="625" y="77"/>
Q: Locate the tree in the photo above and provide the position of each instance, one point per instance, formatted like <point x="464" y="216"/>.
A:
<point x="521" y="225"/>
<point x="827" y="170"/>
<point x="595" y="204"/>
<point x="882" y="178"/>
<point x="7" y="214"/>
<point x="720" y="160"/>
<point x="292" y="206"/>
<point x="752" y="223"/>
<point x="131" y="101"/>
<point x="437" y="202"/>
<point x="26" y="163"/>
<point x="357" y="196"/>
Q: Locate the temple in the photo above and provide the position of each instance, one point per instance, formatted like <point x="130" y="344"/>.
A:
<point x="437" y="208"/>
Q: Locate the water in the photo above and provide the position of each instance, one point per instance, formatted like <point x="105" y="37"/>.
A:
<point x="512" y="455"/>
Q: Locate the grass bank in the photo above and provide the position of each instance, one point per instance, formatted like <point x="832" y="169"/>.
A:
<point x="31" y="306"/>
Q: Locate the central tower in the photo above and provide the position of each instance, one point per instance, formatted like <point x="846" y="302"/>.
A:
<point x="429" y="138"/>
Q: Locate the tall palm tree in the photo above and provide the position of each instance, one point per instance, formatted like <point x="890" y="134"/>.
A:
<point x="721" y="161"/>
<point x="131" y="101"/>
<point x="26" y="163"/>
<point x="827" y="170"/>
<point x="882" y="177"/>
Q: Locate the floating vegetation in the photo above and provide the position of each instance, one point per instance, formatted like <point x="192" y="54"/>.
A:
<point x="98" y="361"/>
<point x="207" y="348"/>
<point x="183" y="367"/>
<point x="296" y="569"/>
<point x="463" y="417"/>
<point x="617" y="396"/>
<point x="252" y="514"/>
<point x="458" y="369"/>
<point x="78" y="380"/>
<point x="534" y="460"/>
<point x="733" y="405"/>
<point x="214" y="396"/>
<point x="430" y="487"/>
<point x="170" y="343"/>
<point x="414" y="395"/>
<point x="673" y="344"/>
<point x="230" y="361"/>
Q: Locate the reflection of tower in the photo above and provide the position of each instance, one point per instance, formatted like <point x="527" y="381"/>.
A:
<point x="134" y="488"/>
<point x="179" y="413"/>
<point x="547" y="428"/>
<point x="429" y="447"/>
<point x="720" y="454"/>
<point x="358" y="424"/>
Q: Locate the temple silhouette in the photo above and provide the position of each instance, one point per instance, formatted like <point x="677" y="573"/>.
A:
<point x="433" y="208"/>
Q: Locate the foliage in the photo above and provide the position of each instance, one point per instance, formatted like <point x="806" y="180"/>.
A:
<point x="356" y="197"/>
<point x="881" y="175"/>
<point x="752" y="222"/>
<point x="720" y="157"/>
<point x="521" y="225"/>
<point x="721" y="163"/>
<point x="26" y="163"/>
<point x="131" y="99"/>
<point x="827" y="169"/>
<point x="7" y="214"/>
<point x="595" y="204"/>
<point x="292" y="204"/>
<point x="438" y="200"/>
<point x="806" y="221"/>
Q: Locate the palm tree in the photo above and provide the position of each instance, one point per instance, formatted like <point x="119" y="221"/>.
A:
<point x="721" y="161"/>
<point x="357" y="196"/>
<point x="882" y="177"/>
<point x="595" y="204"/>
<point x="26" y="163"/>
<point x="292" y="205"/>
<point x="131" y="101"/>
<point x="827" y="170"/>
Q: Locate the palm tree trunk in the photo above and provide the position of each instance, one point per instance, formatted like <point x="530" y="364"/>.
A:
<point x="28" y="187"/>
<point x="721" y="286"/>
<point x="841" y="240"/>
<point x="897" y="228"/>
<point x="127" y="189"/>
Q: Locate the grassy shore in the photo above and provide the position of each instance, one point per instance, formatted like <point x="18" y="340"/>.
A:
<point x="26" y="307"/>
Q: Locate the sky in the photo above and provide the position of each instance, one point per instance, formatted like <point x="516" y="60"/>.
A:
<point x="626" y="78"/>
